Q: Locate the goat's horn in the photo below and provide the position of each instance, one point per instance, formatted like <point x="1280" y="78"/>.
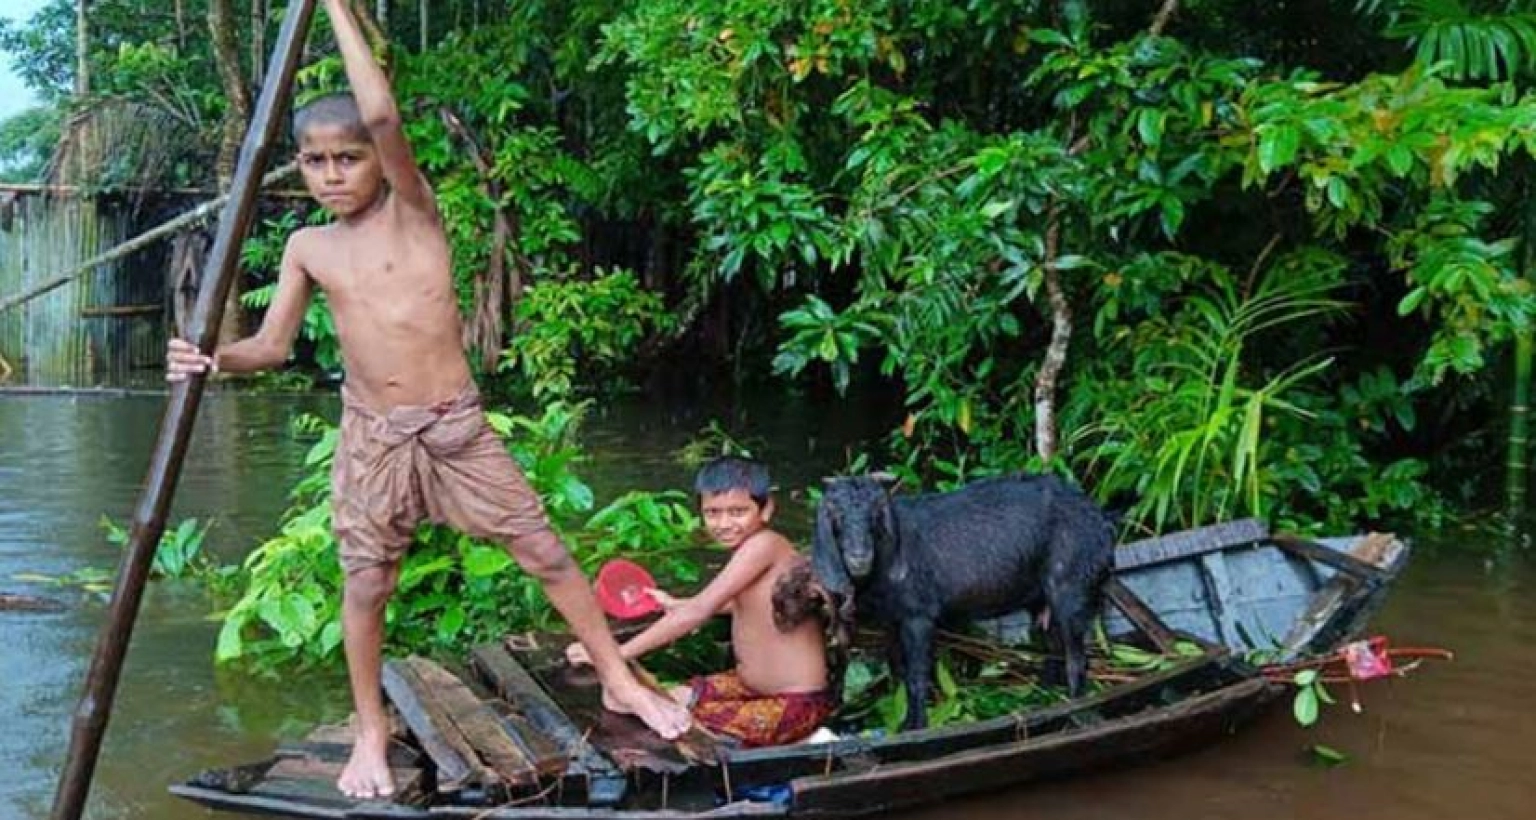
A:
<point x="885" y="477"/>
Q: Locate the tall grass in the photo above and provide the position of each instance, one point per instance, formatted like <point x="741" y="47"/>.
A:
<point x="1188" y="443"/>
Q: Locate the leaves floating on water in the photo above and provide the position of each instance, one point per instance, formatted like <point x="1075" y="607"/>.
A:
<point x="1327" y="755"/>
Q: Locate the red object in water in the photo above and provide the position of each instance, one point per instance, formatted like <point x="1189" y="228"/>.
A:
<point x="621" y="589"/>
<point x="1367" y="659"/>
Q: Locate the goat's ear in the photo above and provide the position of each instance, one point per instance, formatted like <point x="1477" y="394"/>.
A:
<point x="827" y="554"/>
<point x="885" y="520"/>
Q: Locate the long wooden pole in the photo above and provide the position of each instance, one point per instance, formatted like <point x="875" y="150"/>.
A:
<point x="90" y="718"/>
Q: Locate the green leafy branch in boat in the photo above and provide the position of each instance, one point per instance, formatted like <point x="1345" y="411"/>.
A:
<point x="453" y="589"/>
<point x="978" y="678"/>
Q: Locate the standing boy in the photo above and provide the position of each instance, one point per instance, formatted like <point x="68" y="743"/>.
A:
<point x="778" y="691"/>
<point x="414" y="441"/>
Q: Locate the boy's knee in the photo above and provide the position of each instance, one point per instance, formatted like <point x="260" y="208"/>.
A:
<point x="371" y="587"/>
<point x="542" y="555"/>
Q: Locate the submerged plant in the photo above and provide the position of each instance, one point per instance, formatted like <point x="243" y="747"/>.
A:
<point x="179" y="553"/>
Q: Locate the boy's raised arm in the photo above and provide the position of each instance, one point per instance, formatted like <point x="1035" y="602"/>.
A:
<point x="381" y="116"/>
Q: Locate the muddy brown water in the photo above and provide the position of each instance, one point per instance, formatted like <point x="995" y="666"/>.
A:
<point x="1451" y="740"/>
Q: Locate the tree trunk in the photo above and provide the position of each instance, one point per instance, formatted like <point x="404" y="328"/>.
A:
<point x="82" y="49"/>
<point x="1164" y="14"/>
<point x="181" y="26"/>
<point x="1517" y="463"/>
<point x="258" y="41"/>
<point x="226" y="54"/>
<point x="500" y="287"/>
<point x="1046" y="434"/>
<point x="426" y="23"/>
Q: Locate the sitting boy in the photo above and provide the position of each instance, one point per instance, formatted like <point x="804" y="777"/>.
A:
<point x="777" y="693"/>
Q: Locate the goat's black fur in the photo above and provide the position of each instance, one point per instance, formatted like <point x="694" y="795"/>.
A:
<point x="999" y="545"/>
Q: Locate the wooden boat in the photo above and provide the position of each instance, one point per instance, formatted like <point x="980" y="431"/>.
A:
<point x="517" y="737"/>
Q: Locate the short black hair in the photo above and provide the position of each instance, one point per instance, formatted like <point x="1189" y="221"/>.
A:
<point x="332" y="109"/>
<point x="734" y="473"/>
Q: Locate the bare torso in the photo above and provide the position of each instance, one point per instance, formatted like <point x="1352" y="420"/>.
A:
<point x="769" y="661"/>
<point x="388" y="280"/>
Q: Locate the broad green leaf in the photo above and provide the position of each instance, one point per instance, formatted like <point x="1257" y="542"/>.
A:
<point x="1305" y="706"/>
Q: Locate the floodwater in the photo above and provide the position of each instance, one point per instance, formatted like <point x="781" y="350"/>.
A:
<point x="1451" y="740"/>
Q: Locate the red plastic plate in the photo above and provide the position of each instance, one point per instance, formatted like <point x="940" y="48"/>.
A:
<point x="620" y="589"/>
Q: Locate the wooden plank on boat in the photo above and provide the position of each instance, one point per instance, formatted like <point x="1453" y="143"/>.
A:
<point x="1218" y="583"/>
<point x="255" y="804"/>
<point x="513" y="684"/>
<point x="1341" y="561"/>
<point x="754" y="767"/>
<point x="1339" y="609"/>
<point x="418" y="705"/>
<point x="1190" y="543"/>
<point x="1140" y="615"/>
<point x="515" y="760"/>
<point x="624" y="739"/>
<point x="1138" y="736"/>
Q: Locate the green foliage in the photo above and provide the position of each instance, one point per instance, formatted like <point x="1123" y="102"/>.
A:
<point x="1186" y="439"/>
<point x="1479" y="39"/>
<point x="179" y="553"/>
<point x="453" y="590"/>
<point x="1310" y="697"/>
<point x="26" y="141"/>
<point x="42" y="48"/>
<point x="927" y="193"/>
<point x="1472" y="283"/>
<point x="715" y="441"/>
<point x="592" y="328"/>
<point x="261" y="256"/>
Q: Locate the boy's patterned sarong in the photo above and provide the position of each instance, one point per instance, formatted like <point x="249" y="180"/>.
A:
<point x="442" y="463"/>
<point x="723" y="704"/>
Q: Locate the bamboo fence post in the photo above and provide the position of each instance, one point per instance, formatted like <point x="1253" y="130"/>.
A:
<point x="90" y="717"/>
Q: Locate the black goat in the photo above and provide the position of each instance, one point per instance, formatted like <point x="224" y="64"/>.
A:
<point x="999" y="545"/>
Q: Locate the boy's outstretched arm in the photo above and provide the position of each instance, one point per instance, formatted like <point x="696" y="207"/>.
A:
<point x="747" y="564"/>
<point x="271" y="344"/>
<point x="376" y="103"/>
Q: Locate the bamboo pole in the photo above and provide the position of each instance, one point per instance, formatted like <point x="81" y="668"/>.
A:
<point x="90" y="717"/>
<point x="1517" y="445"/>
<point x="164" y="229"/>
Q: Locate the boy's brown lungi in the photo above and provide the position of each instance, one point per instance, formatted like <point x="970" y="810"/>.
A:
<point x="441" y="463"/>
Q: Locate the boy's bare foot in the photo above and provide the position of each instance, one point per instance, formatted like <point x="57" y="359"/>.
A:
<point x="663" y="715"/>
<point x="367" y="773"/>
